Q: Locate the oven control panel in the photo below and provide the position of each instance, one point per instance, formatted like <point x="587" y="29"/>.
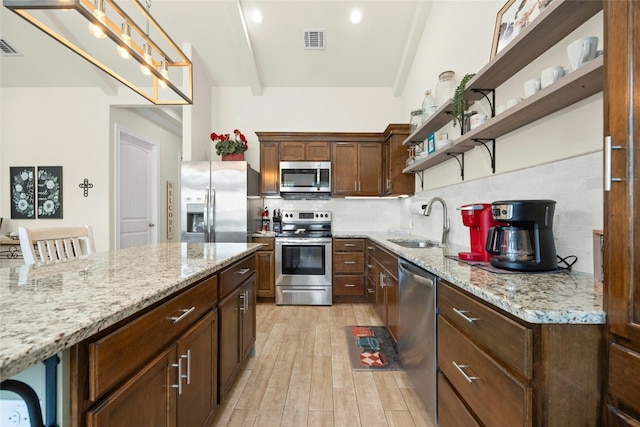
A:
<point x="306" y="216"/>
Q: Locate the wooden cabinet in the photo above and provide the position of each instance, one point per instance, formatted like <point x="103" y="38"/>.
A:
<point x="305" y="151"/>
<point x="269" y="168"/>
<point x="357" y="169"/>
<point x="384" y="266"/>
<point x="348" y="270"/>
<point x="237" y="321"/>
<point x="395" y="157"/>
<point x="265" y="267"/>
<point x="163" y="360"/>
<point x="621" y="217"/>
<point x="538" y="375"/>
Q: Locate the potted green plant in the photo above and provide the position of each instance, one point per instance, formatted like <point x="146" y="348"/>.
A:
<point x="230" y="148"/>
<point x="460" y="104"/>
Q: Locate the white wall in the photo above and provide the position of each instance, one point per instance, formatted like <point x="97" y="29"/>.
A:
<point x="301" y="109"/>
<point x="37" y="129"/>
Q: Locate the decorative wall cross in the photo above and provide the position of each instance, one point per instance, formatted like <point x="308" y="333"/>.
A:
<point x="86" y="185"/>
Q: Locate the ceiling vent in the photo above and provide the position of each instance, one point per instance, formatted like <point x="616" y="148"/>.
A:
<point x="7" y="49"/>
<point x="314" y="39"/>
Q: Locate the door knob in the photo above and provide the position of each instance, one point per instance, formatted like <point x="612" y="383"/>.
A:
<point x="151" y="224"/>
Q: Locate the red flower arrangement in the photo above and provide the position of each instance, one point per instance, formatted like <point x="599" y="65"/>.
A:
<point x="226" y="145"/>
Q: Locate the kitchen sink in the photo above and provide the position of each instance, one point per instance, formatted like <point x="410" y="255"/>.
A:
<point x="414" y="243"/>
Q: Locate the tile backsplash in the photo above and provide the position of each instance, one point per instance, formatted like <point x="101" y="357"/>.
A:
<point x="575" y="184"/>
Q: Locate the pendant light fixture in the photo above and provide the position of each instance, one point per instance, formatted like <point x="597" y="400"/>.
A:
<point x="167" y="74"/>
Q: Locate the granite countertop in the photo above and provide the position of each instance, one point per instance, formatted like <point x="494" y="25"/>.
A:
<point x="543" y="297"/>
<point x="45" y="309"/>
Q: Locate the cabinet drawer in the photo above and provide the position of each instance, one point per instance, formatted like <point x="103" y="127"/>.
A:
<point x="348" y="263"/>
<point x="268" y="242"/>
<point x="348" y="245"/>
<point x="145" y="336"/>
<point x="388" y="261"/>
<point x="237" y="273"/>
<point x="624" y="381"/>
<point x="348" y="285"/>
<point x="500" y="336"/>
<point x="481" y="381"/>
<point x="451" y="410"/>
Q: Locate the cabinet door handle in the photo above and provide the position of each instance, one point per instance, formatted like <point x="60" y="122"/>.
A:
<point x="608" y="147"/>
<point x="185" y="313"/>
<point x="463" y="314"/>
<point x="460" y="369"/>
<point x="369" y="290"/>
<point x="180" y="376"/>
<point x="246" y="301"/>
<point x="242" y="271"/>
<point x="188" y="356"/>
<point x="349" y="262"/>
<point x="242" y="298"/>
<point x="382" y="285"/>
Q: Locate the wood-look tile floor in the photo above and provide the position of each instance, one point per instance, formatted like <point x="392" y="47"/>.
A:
<point x="300" y="375"/>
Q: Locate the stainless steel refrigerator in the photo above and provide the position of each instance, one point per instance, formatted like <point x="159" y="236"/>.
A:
<point x="220" y="202"/>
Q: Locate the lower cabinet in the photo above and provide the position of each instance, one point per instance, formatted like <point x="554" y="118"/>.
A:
<point x="348" y="270"/>
<point x="237" y="326"/>
<point x="265" y="267"/>
<point x="496" y="370"/>
<point x="158" y="368"/>
<point x="383" y="265"/>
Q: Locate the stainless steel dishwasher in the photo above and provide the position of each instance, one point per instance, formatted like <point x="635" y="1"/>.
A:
<point x="417" y="332"/>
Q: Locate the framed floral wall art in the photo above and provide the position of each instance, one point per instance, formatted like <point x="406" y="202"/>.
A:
<point x="22" y="192"/>
<point x="49" y="192"/>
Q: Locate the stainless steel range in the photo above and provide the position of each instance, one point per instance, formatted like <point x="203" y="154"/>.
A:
<point x="303" y="259"/>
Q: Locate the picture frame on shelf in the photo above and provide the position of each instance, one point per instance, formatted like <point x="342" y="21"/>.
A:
<point x="512" y="18"/>
<point x="431" y="143"/>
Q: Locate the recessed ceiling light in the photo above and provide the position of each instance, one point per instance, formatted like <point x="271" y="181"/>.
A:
<point x="257" y="17"/>
<point x="355" y="16"/>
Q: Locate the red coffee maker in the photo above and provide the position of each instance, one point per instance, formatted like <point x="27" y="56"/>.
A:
<point x="478" y="218"/>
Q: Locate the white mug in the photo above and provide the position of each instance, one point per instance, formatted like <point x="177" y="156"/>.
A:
<point x="582" y="51"/>
<point x="478" y="119"/>
<point x="551" y="75"/>
<point x="513" y="101"/>
<point x="531" y="86"/>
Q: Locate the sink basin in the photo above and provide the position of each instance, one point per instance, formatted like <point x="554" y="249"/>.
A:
<point x="413" y="243"/>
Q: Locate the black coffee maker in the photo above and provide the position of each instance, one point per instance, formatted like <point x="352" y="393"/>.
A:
<point x="526" y="242"/>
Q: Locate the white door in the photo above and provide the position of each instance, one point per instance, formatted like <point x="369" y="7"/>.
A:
<point x="136" y="171"/>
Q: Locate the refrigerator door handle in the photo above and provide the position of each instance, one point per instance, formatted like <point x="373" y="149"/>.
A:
<point x="212" y="216"/>
<point x="206" y="214"/>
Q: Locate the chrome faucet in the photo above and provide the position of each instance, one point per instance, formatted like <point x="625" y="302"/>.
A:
<point x="445" y="220"/>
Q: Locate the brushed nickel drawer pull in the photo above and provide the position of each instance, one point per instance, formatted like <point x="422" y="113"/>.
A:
<point x="463" y="313"/>
<point x="466" y="377"/>
<point x="185" y="313"/>
<point x="370" y="247"/>
<point x="349" y="262"/>
<point x="350" y="245"/>
<point x="242" y="271"/>
<point x="348" y="285"/>
<point x="369" y="290"/>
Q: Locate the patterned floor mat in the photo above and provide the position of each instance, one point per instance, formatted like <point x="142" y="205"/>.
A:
<point x="371" y="348"/>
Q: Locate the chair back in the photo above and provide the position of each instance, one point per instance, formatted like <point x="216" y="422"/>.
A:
<point x="55" y="244"/>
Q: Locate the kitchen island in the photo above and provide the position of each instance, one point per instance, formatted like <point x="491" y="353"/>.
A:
<point x="45" y="309"/>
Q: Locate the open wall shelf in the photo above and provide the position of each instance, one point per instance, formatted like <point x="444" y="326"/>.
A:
<point x="559" y="19"/>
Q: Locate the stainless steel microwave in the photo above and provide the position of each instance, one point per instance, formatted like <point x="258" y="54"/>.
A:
<point x="305" y="177"/>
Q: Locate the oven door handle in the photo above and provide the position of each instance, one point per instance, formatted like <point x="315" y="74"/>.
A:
<point x="318" y="177"/>
<point x="302" y="241"/>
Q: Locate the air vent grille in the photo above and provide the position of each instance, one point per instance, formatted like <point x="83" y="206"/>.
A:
<point x="7" y="49"/>
<point x="314" y="39"/>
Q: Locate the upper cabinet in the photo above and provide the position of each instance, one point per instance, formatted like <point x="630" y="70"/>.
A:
<point x="305" y="151"/>
<point x="621" y="217"/>
<point x="558" y="20"/>
<point x="363" y="163"/>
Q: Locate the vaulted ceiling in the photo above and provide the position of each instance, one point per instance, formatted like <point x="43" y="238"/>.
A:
<point x="377" y="52"/>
